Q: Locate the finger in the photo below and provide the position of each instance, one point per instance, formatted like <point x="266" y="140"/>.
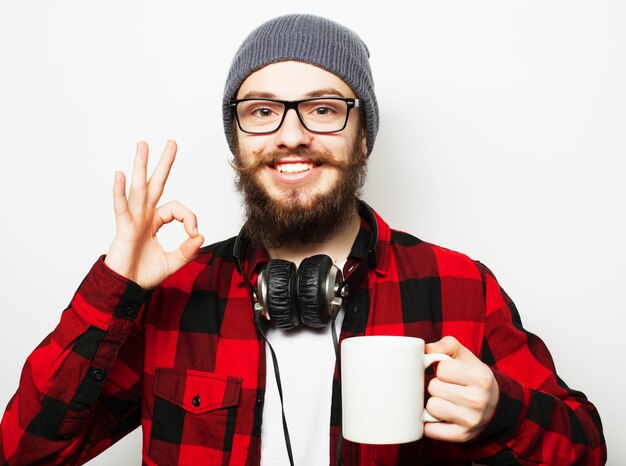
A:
<point x="185" y="253"/>
<point x="174" y="210"/>
<point x="455" y="371"/>
<point x="190" y="247"/>
<point x="446" y="431"/>
<point x="446" y="411"/>
<point x="137" y="192"/>
<point x="470" y="397"/>
<point x="120" y="204"/>
<point x="447" y="345"/>
<point x="451" y="392"/>
<point x="452" y="347"/>
<point x="156" y="184"/>
<point x="474" y="374"/>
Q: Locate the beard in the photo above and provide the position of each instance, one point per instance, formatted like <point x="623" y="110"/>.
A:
<point x="298" y="215"/>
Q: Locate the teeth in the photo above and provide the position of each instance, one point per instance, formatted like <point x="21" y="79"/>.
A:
<point x="293" y="167"/>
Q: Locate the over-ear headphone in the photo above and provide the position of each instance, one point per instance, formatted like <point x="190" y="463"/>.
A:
<point x="310" y="294"/>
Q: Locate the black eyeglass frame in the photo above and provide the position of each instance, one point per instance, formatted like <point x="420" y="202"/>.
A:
<point x="293" y="104"/>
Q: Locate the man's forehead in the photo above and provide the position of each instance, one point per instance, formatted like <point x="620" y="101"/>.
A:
<point x="293" y="80"/>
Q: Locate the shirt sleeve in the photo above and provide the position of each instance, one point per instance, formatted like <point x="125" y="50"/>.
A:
<point x="79" y="391"/>
<point x="539" y="419"/>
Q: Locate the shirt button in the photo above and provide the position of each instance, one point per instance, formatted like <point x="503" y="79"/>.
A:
<point x="259" y="400"/>
<point x="130" y="311"/>
<point x="196" y="401"/>
<point x="97" y="375"/>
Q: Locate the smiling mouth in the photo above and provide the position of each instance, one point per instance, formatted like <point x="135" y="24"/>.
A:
<point x="295" y="167"/>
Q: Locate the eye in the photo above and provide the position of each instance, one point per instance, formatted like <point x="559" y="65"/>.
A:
<point x="262" y="112"/>
<point x="323" y="110"/>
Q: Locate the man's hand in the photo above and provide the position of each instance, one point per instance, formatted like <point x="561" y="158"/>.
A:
<point x="464" y="394"/>
<point x="135" y="252"/>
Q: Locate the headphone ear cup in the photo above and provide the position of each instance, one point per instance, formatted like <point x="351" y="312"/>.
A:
<point x="282" y="298"/>
<point x="312" y="274"/>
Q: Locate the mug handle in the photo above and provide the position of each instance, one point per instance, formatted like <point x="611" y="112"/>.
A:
<point x="428" y="360"/>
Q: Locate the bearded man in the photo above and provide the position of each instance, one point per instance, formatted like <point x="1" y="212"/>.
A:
<point x="177" y="342"/>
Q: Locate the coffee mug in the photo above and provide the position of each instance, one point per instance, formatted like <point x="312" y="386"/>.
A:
<point x="382" y="389"/>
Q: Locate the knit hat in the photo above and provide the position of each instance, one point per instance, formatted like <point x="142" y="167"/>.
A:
<point x="309" y="39"/>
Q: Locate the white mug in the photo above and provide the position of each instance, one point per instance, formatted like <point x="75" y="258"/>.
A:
<point x="382" y="389"/>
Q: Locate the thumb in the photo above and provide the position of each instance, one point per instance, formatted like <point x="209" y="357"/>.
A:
<point x="186" y="252"/>
<point x="452" y="347"/>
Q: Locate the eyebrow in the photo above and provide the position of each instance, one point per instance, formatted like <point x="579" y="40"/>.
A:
<point x="325" y="91"/>
<point x="316" y="93"/>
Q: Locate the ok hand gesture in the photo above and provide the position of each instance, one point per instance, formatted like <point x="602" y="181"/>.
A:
<point x="135" y="252"/>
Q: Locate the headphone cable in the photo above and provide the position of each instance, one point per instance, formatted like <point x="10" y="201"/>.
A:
<point x="338" y="359"/>
<point x="280" y="393"/>
<point x="338" y="461"/>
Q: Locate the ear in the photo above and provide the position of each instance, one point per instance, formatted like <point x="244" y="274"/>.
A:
<point x="364" y="142"/>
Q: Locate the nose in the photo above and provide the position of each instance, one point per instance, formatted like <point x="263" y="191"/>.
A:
<point x="291" y="133"/>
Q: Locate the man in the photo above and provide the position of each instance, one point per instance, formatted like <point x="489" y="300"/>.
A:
<point x="174" y="341"/>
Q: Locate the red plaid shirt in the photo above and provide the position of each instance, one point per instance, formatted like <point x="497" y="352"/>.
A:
<point x="185" y="362"/>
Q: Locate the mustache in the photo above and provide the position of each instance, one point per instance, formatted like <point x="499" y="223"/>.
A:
<point x="270" y="159"/>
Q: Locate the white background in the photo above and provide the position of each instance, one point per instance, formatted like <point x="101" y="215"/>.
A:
<point x="502" y="136"/>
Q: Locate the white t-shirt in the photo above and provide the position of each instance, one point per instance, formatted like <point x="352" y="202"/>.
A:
<point x="306" y="361"/>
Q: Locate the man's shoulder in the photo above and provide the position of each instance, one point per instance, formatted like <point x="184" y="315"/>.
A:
<point x="432" y="258"/>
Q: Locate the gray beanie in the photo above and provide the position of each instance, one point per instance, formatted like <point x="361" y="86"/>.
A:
<point x="309" y="39"/>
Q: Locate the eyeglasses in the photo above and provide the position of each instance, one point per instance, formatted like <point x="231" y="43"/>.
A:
<point x="317" y="114"/>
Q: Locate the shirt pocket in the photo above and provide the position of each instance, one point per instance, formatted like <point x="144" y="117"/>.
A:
<point x="194" y="415"/>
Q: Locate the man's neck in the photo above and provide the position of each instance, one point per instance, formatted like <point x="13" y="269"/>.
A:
<point x="337" y="247"/>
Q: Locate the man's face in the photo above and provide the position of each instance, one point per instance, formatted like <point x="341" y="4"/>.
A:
<point x="291" y="176"/>
<point x="298" y="184"/>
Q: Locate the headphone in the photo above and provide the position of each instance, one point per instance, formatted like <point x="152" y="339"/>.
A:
<point x="310" y="294"/>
